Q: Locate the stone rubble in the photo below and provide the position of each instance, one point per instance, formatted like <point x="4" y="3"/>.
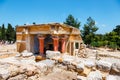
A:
<point x="19" y="77"/>
<point x="112" y="77"/>
<point x="89" y="63"/>
<point x="115" y="69"/>
<point x="4" y="74"/>
<point x="25" y="53"/>
<point x="57" y="67"/>
<point x="94" y="75"/>
<point x="51" y="54"/>
<point x="80" y="67"/>
<point x="103" y="65"/>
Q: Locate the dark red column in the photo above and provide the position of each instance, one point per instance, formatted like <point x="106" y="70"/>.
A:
<point x="41" y="45"/>
<point x="63" y="45"/>
<point x="55" y="42"/>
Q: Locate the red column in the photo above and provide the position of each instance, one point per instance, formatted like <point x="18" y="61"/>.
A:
<point x="55" y="41"/>
<point x="41" y="45"/>
<point x="63" y="45"/>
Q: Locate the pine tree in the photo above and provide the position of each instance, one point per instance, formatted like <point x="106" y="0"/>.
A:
<point x="0" y="33"/>
<point x="70" y="20"/>
<point x="89" y="30"/>
<point x="117" y="30"/>
<point x="3" y="37"/>
<point x="34" y="23"/>
<point x="10" y="33"/>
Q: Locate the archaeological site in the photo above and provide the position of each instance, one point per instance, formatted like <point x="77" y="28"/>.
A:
<point x="55" y="51"/>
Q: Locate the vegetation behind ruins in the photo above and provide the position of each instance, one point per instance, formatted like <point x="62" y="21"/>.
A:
<point x="91" y="38"/>
<point x="88" y="33"/>
<point x="7" y="33"/>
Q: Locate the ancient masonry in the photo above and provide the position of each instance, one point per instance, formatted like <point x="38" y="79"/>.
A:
<point x="39" y="38"/>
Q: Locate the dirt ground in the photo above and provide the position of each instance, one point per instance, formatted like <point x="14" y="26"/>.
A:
<point x="105" y="54"/>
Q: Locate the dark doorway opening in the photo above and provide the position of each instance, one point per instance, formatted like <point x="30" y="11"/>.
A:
<point x="60" y="46"/>
<point x="48" y="43"/>
<point x="36" y="45"/>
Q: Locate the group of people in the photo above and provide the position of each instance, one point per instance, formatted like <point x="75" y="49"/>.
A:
<point x="2" y="42"/>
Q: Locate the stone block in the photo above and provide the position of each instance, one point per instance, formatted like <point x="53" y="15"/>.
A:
<point x="115" y="69"/>
<point x="103" y="65"/>
<point x="52" y="54"/>
<point x="94" y="75"/>
<point x="80" y="67"/>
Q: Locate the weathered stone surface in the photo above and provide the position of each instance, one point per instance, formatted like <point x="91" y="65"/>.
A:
<point x="18" y="55"/>
<point x="14" y="70"/>
<point x="81" y="78"/>
<point x="19" y="77"/>
<point x="89" y="63"/>
<point x="58" y="74"/>
<point x="27" y="58"/>
<point x="45" y="66"/>
<point x="25" y="53"/>
<point x="52" y="54"/>
<point x="28" y="69"/>
<point x="71" y="67"/>
<point x="115" y="69"/>
<point x="61" y="66"/>
<point x="112" y="77"/>
<point x="31" y="57"/>
<point x="4" y="73"/>
<point x="33" y="78"/>
<point x="49" y="63"/>
<point x="11" y="60"/>
<point x="67" y="59"/>
<point x="80" y="67"/>
<point x="85" y="72"/>
<point x="28" y="61"/>
<point x="103" y="65"/>
<point x="56" y="69"/>
<point x="42" y="67"/>
<point x="94" y="75"/>
<point x="9" y="69"/>
<point x="104" y="74"/>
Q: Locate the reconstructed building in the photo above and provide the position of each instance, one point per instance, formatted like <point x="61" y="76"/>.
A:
<point x="38" y="38"/>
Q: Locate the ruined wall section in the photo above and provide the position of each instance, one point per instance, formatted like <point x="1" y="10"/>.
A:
<point x="26" y="33"/>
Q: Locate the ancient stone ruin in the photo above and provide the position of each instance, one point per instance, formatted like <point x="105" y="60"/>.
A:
<point x="62" y="56"/>
<point x="54" y="37"/>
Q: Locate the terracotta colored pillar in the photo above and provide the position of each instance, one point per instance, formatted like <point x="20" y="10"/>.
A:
<point x="55" y="41"/>
<point x="63" y="45"/>
<point x="41" y="45"/>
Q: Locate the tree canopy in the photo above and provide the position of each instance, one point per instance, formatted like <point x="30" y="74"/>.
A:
<point x="3" y="37"/>
<point x="10" y="33"/>
<point x="88" y="32"/>
<point x="7" y="34"/>
<point x="117" y="30"/>
<point x="111" y="39"/>
<point x="70" y="20"/>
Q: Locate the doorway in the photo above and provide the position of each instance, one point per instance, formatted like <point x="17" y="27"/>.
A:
<point x="48" y="43"/>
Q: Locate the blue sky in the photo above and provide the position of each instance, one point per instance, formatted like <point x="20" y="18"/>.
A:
<point x="106" y="13"/>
